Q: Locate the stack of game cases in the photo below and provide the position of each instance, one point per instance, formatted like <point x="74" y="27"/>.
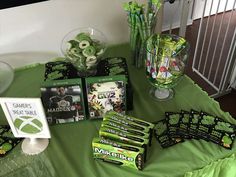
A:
<point x="177" y="127"/>
<point x="59" y="70"/>
<point x="68" y="98"/>
<point x="112" y="66"/>
<point x="123" y="140"/>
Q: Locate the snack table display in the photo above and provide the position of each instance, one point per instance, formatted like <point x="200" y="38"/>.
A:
<point x="70" y="149"/>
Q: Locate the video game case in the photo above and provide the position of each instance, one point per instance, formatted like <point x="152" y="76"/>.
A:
<point x="63" y="101"/>
<point x="105" y="94"/>
<point x="118" y="153"/>
<point x="59" y="70"/>
<point x="112" y="66"/>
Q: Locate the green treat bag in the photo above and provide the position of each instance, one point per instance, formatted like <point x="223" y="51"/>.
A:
<point x="223" y="133"/>
<point x="205" y="126"/>
<point x="118" y="153"/>
<point x="162" y="136"/>
<point x="227" y="140"/>
<point x="7" y="140"/>
<point x="194" y="121"/>
<point x="4" y="129"/>
<point x="173" y="122"/>
<point x="184" y="125"/>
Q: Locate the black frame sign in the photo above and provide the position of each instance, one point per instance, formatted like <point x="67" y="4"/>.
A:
<point x="14" y="3"/>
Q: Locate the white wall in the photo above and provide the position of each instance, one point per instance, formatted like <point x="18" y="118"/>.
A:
<point x="33" y="33"/>
<point x="172" y="14"/>
<point x="37" y="29"/>
<point x="211" y="7"/>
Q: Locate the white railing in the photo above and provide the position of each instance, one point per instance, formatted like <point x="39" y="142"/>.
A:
<point x="216" y="68"/>
<point x="215" y="51"/>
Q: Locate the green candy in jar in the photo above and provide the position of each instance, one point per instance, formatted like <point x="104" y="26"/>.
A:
<point x="89" y="51"/>
<point x="83" y="44"/>
<point x="83" y="37"/>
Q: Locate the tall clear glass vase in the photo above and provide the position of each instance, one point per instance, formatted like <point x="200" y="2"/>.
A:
<point x="165" y="63"/>
<point x="138" y="36"/>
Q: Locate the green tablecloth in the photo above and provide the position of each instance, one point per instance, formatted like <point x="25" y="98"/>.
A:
<point x="70" y="154"/>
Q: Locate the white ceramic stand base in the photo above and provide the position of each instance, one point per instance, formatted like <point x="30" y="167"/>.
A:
<point x="161" y="94"/>
<point x="33" y="146"/>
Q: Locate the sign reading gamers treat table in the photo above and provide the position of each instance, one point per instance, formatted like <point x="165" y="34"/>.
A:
<point x="26" y="117"/>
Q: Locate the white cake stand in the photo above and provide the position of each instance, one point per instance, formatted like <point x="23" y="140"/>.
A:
<point x="33" y="146"/>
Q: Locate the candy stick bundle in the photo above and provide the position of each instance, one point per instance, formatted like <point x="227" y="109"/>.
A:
<point x="142" y="22"/>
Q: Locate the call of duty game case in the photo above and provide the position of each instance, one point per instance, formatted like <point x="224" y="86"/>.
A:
<point x="104" y="94"/>
<point x="63" y="101"/>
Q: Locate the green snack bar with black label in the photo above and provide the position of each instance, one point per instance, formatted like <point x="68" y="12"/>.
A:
<point x="127" y="123"/>
<point x="194" y="121"/>
<point x="123" y="137"/>
<point x="127" y="133"/>
<point x="125" y="128"/>
<point x="222" y="133"/>
<point x="132" y="119"/>
<point x="118" y="153"/>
